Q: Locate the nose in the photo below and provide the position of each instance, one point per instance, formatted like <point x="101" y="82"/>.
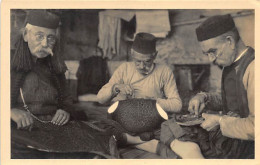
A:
<point x="141" y="66"/>
<point x="44" y="42"/>
<point x="211" y="58"/>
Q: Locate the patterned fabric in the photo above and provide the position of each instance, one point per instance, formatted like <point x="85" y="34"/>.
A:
<point x="138" y="115"/>
<point x="76" y="136"/>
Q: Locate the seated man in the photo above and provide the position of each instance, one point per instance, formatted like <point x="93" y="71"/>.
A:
<point x="230" y="132"/>
<point x="143" y="78"/>
<point x="41" y="108"/>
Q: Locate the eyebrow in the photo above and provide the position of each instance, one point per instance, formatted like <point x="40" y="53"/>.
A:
<point x="50" y="35"/>
<point x="41" y="32"/>
<point x="210" y="50"/>
<point x="143" y="60"/>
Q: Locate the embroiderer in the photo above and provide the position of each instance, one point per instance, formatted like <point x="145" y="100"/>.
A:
<point x="42" y="115"/>
<point x="230" y="133"/>
<point x="144" y="79"/>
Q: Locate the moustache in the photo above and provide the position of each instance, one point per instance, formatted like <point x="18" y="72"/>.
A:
<point x="45" y="50"/>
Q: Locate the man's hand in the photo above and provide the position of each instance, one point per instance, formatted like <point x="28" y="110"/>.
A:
<point x="124" y="89"/>
<point x="211" y="121"/>
<point x="22" y="118"/>
<point x="197" y="104"/>
<point x="61" y="117"/>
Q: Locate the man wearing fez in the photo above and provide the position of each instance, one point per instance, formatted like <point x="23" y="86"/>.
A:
<point x="34" y="49"/>
<point x="39" y="98"/>
<point x="231" y="132"/>
<point x="142" y="78"/>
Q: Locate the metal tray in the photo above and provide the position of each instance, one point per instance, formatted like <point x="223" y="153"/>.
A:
<point x="193" y="121"/>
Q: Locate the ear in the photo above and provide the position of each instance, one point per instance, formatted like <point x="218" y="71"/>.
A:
<point x="231" y="41"/>
<point x="25" y="35"/>
<point x="155" y="54"/>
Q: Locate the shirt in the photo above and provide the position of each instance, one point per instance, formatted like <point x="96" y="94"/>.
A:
<point x="159" y="85"/>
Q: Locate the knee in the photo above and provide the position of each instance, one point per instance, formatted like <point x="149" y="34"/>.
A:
<point x="185" y="149"/>
<point x="193" y="147"/>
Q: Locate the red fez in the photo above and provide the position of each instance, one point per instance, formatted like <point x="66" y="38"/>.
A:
<point x="215" y="26"/>
<point x="43" y="18"/>
<point x="144" y="43"/>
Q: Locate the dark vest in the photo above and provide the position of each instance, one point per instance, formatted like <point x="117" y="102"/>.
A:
<point x="234" y="97"/>
<point x="234" y="94"/>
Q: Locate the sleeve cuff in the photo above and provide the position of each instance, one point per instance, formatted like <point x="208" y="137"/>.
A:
<point x="114" y="90"/>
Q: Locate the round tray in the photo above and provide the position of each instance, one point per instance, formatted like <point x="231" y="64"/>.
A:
<point x="189" y="120"/>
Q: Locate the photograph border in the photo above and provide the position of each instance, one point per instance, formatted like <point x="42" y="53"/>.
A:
<point x="63" y="4"/>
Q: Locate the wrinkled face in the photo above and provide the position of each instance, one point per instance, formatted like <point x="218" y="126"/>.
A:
<point x="143" y="62"/>
<point x="219" y="52"/>
<point x="40" y="41"/>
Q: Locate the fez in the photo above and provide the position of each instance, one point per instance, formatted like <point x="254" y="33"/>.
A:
<point x="144" y="43"/>
<point x="215" y="26"/>
<point x="43" y="18"/>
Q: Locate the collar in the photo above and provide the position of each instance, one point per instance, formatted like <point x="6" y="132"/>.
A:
<point x="241" y="54"/>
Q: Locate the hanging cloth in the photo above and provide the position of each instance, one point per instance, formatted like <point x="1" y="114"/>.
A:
<point x="92" y="75"/>
<point x="109" y="32"/>
<point x="155" y="22"/>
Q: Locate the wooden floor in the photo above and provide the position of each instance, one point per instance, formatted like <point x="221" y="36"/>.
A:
<point x="95" y="112"/>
